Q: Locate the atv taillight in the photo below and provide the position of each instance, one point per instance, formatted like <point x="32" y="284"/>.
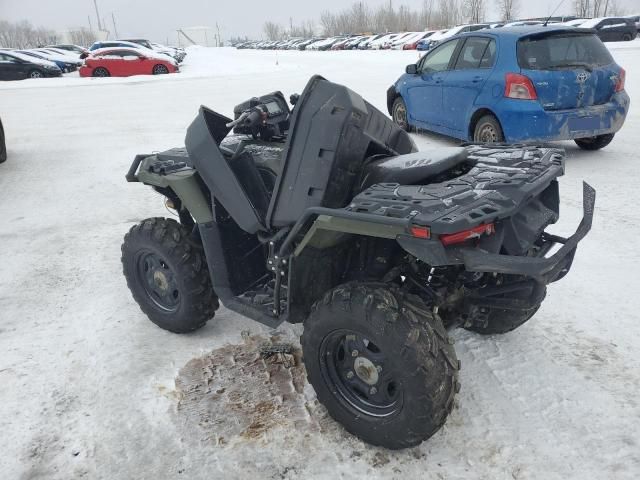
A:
<point x="520" y="87"/>
<point x="419" y="231"/>
<point x="620" y="80"/>
<point x="464" y="235"/>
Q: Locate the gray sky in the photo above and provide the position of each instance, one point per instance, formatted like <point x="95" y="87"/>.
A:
<point x="157" y="19"/>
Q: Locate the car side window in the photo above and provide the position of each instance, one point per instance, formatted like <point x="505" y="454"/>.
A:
<point x="7" y="59"/>
<point x="438" y="60"/>
<point x="489" y="57"/>
<point x="472" y="53"/>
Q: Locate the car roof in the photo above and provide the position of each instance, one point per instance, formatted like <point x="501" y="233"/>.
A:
<point x="114" y="49"/>
<point x="524" y="30"/>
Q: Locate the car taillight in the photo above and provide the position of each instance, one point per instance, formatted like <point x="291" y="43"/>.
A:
<point x="520" y="87"/>
<point x="620" y="80"/>
<point x="420" y="231"/>
<point x="464" y="235"/>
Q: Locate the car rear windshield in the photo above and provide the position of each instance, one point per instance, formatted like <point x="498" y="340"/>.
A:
<point x="566" y="50"/>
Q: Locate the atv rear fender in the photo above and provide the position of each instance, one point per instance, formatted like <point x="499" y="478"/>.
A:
<point x="330" y="225"/>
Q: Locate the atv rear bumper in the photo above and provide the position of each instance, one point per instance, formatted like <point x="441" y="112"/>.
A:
<point x="544" y="270"/>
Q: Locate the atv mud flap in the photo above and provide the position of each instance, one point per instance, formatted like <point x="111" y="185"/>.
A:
<point x="544" y="270"/>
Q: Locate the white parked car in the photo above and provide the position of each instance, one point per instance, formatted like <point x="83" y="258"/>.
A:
<point x="400" y="39"/>
<point x="377" y="44"/>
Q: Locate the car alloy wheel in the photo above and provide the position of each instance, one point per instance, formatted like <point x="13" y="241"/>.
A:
<point x="35" y="74"/>
<point x="101" y="72"/>
<point x="160" y="70"/>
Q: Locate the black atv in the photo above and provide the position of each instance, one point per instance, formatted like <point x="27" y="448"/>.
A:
<point x="328" y="215"/>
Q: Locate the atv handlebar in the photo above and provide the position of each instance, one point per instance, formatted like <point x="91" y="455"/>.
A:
<point x="249" y="118"/>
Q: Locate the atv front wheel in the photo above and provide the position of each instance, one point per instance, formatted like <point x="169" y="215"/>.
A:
<point x="168" y="276"/>
<point x="594" y="143"/>
<point x="381" y="363"/>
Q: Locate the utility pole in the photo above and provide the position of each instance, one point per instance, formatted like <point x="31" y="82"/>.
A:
<point x="219" y="43"/>
<point x="95" y="4"/>
<point x="90" y="27"/>
<point x="115" y="29"/>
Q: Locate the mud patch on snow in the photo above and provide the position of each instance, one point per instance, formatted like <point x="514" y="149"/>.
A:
<point x="237" y="393"/>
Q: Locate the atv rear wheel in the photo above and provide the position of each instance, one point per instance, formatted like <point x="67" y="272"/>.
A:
<point x="490" y="320"/>
<point x="167" y="274"/>
<point x="501" y="321"/>
<point x="400" y="115"/>
<point x="381" y="363"/>
<point x="594" y="143"/>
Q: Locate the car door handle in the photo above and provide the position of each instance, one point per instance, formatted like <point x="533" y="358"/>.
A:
<point x="477" y="79"/>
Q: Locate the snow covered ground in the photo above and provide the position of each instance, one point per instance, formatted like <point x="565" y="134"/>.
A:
<point x="88" y="384"/>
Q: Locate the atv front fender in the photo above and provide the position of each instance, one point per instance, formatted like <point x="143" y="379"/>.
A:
<point x="182" y="182"/>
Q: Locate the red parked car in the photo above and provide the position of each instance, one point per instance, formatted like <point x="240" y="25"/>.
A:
<point x="124" y="62"/>
<point x="414" y="43"/>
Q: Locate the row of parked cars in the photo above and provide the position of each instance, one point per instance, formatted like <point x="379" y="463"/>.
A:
<point x="607" y="28"/>
<point x="102" y="59"/>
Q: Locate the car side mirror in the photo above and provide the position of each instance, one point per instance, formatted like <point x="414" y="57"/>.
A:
<point x="142" y="57"/>
<point x="412" y="69"/>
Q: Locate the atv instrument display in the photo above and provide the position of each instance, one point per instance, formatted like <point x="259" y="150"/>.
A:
<point x="328" y="215"/>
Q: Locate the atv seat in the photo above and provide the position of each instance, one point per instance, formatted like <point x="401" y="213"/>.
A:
<point x="413" y="167"/>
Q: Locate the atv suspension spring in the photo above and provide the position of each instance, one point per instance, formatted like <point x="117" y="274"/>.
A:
<point x="437" y="277"/>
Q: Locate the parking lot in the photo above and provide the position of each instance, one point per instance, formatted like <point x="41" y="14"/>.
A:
<point x="89" y="384"/>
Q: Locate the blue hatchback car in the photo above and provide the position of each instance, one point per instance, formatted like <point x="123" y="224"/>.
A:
<point x="519" y="84"/>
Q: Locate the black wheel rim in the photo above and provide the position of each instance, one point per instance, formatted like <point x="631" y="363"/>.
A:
<point x="487" y="133"/>
<point x="160" y="69"/>
<point x="158" y="281"/>
<point x="400" y="115"/>
<point x="101" y="72"/>
<point x="359" y="374"/>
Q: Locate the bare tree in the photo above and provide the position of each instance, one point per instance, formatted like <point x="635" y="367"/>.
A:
<point x="474" y="10"/>
<point x="508" y="9"/>
<point x="427" y="14"/>
<point x="305" y="30"/>
<point x="82" y="36"/>
<point x="23" y="35"/>
<point x="583" y="8"/>
<point x="613" y="8"/>
<point x="273" y="31"/>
